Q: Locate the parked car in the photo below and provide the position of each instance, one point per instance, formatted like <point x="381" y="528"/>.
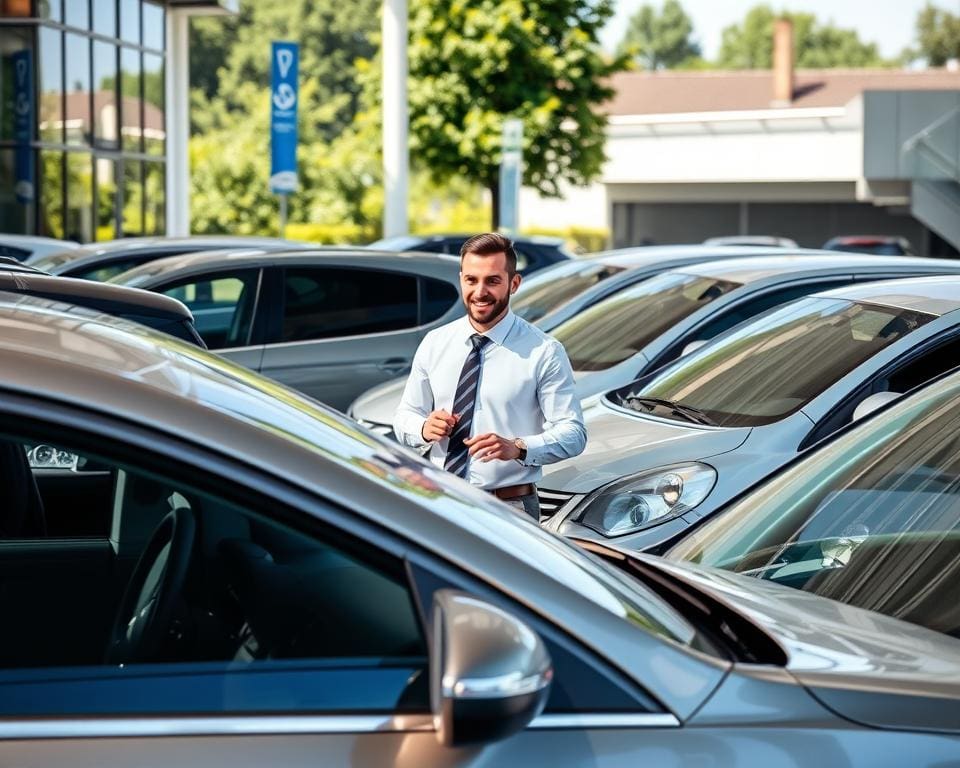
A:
<point x="871" y="518"/>
<point x="653" y="323"/>
<point x="331" y="323"/>
<point x="766" y="240"/>
<point x="101" y="261"/>
<point x="252" y="579"/>
<point x="886" y="245"/>
<point x="668" y="451"/>
<point x="533" y="253"/>
<point x="22" y="247"/>
<point x="562" y="291"/>
<point x="159" y="312"/>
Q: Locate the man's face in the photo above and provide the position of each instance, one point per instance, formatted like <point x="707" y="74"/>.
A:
<point x="486" y="287"/>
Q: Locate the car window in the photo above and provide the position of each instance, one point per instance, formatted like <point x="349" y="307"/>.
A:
<point x="772" y="367"/>
<point x="436" y="298"/>
<point x="104" y="272"/>
<point x="223" y="305"/>
<point x="12" y="252"/>
<point x="871" y="519"/>
<point x="200" y="603"/>
<point x="325" y="303"/>
<point x="622" y="324"/>
<point x="546" y="296"/>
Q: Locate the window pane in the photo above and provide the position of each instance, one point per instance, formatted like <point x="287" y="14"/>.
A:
<point x="326" y="303"/>
<point x="105" y="94"/>
<point x="50" y="9"/>
<point x="79" y="197"/>
<point x="107" y="200"/>
<point x="104" y="17"/>
<point x="15" y="210"/>
<point x="78" y="125"/>
<point x="51" y="85"/>
<point x="132" y="198"/>
<point x="51" y="194"/>
<point x="153" y="26"/>
<point x="154" y="130"/>
<point x="130" y="21"/>
<point x="222" y="306"/>
<point x="438" y="297"/>
<point x="154" y="190"/>
<point x="131" y="127"/>
<point x="77" y="14"/>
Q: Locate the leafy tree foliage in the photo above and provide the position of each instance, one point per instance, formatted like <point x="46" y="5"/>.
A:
<point x="475" y="63"/>
<point x="818" y="46"/>
<point x="660" y="40"/>
<point x="938" y="35"/>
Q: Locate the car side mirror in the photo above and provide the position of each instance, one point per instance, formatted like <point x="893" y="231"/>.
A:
<point x="873" y="402"/>
<point x="693" y="346"/>
<point x="489" y="672"/>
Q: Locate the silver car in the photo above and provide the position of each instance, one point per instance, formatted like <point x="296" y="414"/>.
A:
<point x="331" y="323"/>
<point x="236" y="575"/>
<point x="871" y="518"/>
<point x="666" y="452"/>
<point x="653" y="323"/>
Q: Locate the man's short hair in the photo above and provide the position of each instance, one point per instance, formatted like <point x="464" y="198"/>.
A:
<point x="488" y="244"/>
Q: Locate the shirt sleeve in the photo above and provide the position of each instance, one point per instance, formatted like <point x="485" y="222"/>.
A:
<point x="416" y="403"/>
<point x="564" y="435"/>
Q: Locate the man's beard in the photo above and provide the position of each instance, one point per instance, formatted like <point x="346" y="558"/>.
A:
<point x="495" y="310"/>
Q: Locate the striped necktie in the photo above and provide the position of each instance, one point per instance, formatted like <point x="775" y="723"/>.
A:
<point x="463" y="403"/>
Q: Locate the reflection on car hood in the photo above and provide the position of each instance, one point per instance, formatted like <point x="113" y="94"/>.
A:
<point x="620" y="444"/>
<point x="865" y="666"/>
<point x="379" y="404"/>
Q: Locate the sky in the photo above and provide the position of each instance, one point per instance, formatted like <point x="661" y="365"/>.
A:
<point x="888" y="23"/>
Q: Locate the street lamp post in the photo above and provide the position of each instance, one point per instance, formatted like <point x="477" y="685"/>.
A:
<point x="396" y="156"/>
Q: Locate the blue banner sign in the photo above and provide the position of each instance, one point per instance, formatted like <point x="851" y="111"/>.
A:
<point x="24" y="186"/>
<point x="283" y="117"/>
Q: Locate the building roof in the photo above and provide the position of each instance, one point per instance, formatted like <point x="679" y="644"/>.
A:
<point x="656" y="93"/>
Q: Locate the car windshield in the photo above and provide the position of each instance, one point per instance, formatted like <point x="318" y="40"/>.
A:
<point x="766" y="369"/>
<point x="871" y="519"/>
<point x="622" y="324"/>
<point x="52" y="261"/>
<point x="881" y="249"/>
<point x="557" y="287"/>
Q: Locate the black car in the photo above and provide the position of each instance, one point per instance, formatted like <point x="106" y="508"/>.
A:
<point x="533" y="253"/>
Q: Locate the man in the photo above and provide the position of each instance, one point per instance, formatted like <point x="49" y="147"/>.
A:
<point x="492" y="394"/>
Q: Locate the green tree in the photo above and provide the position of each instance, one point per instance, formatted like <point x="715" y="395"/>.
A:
<point x="475" y="63"/>
<point x="938" y="35"/>
<point x="817" y="46"/>
<point x="660" y="40"/>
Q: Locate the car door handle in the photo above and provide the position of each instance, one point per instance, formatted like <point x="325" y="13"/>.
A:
<point x="395" y="366"/>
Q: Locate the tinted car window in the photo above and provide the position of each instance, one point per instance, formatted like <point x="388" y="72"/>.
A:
<point x="540" y="299"/>
<point x="622" y="324"/>
<point x="437" y="298"/>
<point x="222" y="304"/>
<point x="104" y="272"/>
<point x="13" y="253"/>
<point x="872" y="519"/>
<point x="324" y="303"/>
<point x="771" y="368"/>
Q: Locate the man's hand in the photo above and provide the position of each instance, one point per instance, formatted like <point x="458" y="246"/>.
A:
<point x="489" y="446"/>
<point x="438" y="425"/>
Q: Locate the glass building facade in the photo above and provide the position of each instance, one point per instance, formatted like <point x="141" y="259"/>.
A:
<point x="82" y="128"/>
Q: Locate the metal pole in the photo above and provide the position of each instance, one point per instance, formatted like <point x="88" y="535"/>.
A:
<point x="396" y="156"/>
<point x="283" y="215"/>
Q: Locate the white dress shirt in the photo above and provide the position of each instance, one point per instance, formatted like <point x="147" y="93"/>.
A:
<point x="526" y="390"/>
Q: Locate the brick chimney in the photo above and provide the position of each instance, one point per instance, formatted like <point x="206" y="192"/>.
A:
<point x="782" y="63"/>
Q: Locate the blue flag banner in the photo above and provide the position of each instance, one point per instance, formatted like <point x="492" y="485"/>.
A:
<point x="283" y="117"/>
<point x="24" y="186"/>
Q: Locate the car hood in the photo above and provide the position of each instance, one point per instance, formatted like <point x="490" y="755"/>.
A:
<point x="379" y="405"/>
<point x="864" y="666"/>
<point x="620" y="444"/>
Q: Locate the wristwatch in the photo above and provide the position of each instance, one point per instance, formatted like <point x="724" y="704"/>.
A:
<point x="522" y="447"/>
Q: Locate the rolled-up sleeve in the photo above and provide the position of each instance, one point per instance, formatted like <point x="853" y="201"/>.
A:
<point x="416" y="403"/>
<point x="564" y="435"/>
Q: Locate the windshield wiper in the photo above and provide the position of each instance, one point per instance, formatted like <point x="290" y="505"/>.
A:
<point x="638" y="403"/>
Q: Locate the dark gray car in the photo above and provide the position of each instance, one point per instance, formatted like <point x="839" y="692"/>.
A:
<point x="247" y="578"/>
<point x="331" y="323"/>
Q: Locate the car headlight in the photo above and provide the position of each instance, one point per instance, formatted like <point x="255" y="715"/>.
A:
<point x="648" y="498"/>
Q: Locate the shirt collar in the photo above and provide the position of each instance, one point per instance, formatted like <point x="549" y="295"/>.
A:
<point x="498" y="334"/>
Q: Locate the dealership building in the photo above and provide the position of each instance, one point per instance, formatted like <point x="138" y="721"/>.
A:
<point x="94" y="115"/>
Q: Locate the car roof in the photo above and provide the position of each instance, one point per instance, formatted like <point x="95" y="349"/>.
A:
<point x="185" y="264"/>
<point x="935" y="295"/>
<point x="28" y="241"/>
<point x="746" y="271"/>
<point x="646" y="255"/>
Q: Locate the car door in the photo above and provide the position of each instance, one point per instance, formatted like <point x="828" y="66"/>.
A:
<point x="338" y="331"/>
<point x="226" y="311"/>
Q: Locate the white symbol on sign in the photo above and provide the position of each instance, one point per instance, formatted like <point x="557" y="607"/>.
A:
<point x="284" y="61"/>
<point x="285" y="97"/>
<point x="21" y="71"/>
